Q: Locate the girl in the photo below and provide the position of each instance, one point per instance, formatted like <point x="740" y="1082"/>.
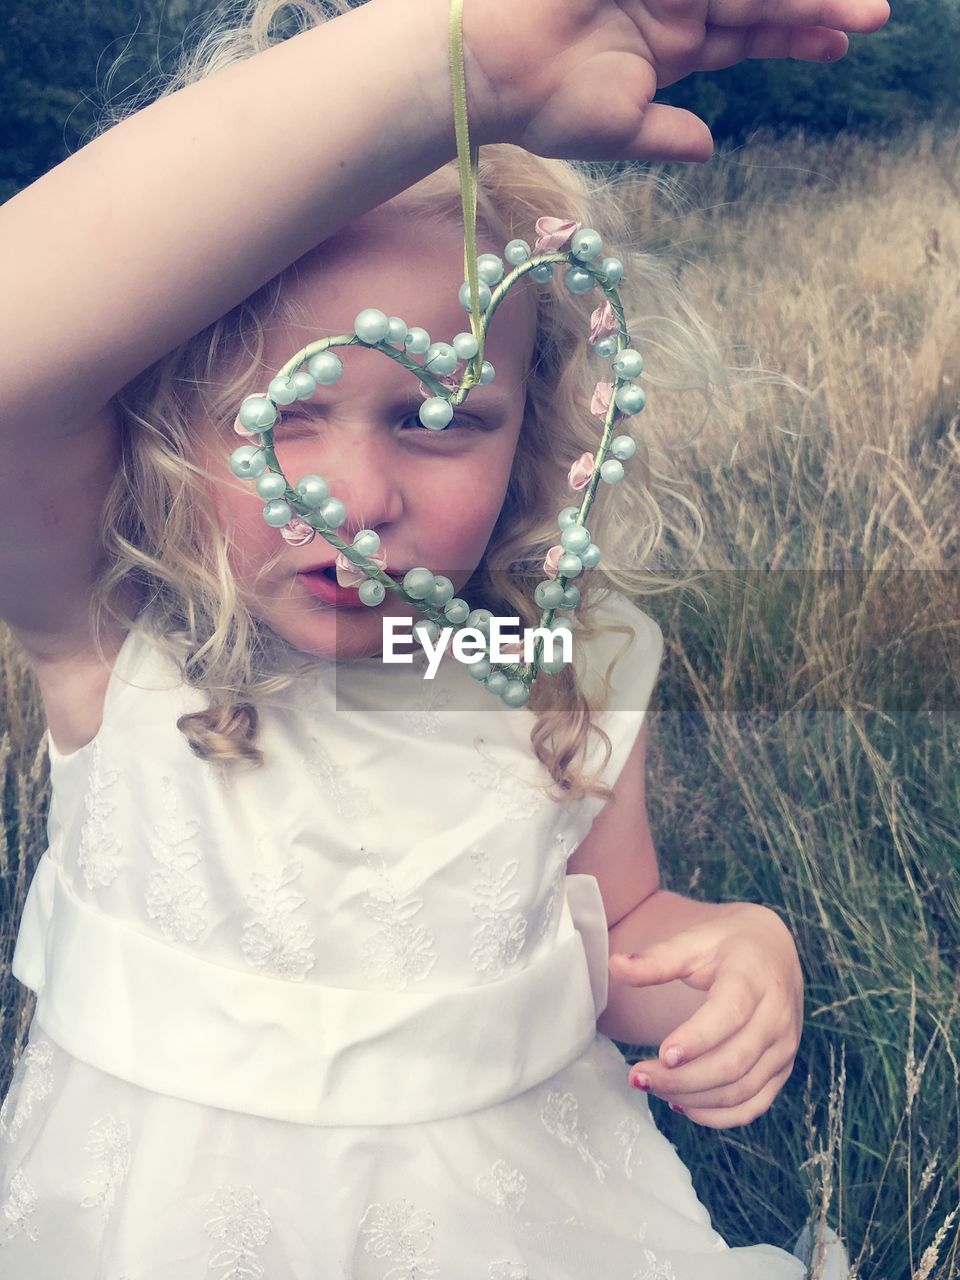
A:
<point x="320" y="947"/>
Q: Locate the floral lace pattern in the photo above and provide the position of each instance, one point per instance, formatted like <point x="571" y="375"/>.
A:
<point x="175" y="898"/>
<point x="399" y="952"/>
<point x="500" y="935"/>
<point x="627" y="1133"/>
<point x="519" y="799"/>
<point x="273" y="942"/>
<point x="242" y="1223"/>
<point x="654" y="1270"/>
<point x="560" y="1117"/>
<point x="504" y="1185"/>
<point x="17" y="1208"/>
<point x="402" y="1234"/>
<point x="348" y="798"/>
<point x="98" y="848"/>
<point x="423" y="721"/>
<point x="109" y="1147"/>
<point x="36" y="1084"/>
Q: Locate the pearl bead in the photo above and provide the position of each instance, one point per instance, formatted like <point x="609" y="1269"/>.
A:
<point x="483" y="293"/>
<point x="440" y="357"/>
<point x="552" y="666"/>
<point x="417" y="341"/>
<point x="325" y="367"/>
<point x="480" y="669"/>
<point x="277" y="513"/>
<point x="271" y="485"/>
<point x="314" y="490"/>
<point x="490" y="268"/>
<point x="435" y="413"/>
<point x="628" y="364"/>
<point x="630" y="398"/>
<point x="548" y="594"/>
<point x="517" y="251"/>
<point x="623" y="447"/>
<point x="371" y="326"/>
<point x="306" y="384"/>
<point x="456" y="610"/>
<point x="571" y="597"/>
<point x="418" y="583"/>
<point x="466" y="346"/>
<point x="569" y="565"/>
<point x="612" y="268"/>
<point x="543" y="273"/>
<point x="586" y="244"/>
<point x="480" y="618"/>
<point x="257" y="413"/>
<point x="567" y="516"/>
<point x="426" y="628"/>
<point x="442" y="591"/>
<point x="282" y="391"/>
<point x="487" y="373"/>
<point x="611" y="471"/>
<point x="590" y="556"/>
<point x="605" y="346"/>
<point x="575" y="537"/>
<point x="371" y="592"/>
<point x="247" y="461"/>
<point x="496" y="682"/>
<point x="366" y="542"/>
<point x="577" y="280"/>
<point x="515" y="694"/>
<point x="396" y="331"/>
<point x="562" y="624"/>
<point x="333" y="513"/>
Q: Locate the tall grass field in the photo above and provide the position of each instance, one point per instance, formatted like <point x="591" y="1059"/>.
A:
<point x="805" y="730"/>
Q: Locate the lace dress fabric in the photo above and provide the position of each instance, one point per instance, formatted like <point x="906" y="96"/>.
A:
<point x="336" y="1017"/>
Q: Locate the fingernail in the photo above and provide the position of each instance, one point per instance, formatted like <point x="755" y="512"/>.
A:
<point x="673" y="1057"/>
<point x="640" y="1081"/>
<point x="674" y="1107"/>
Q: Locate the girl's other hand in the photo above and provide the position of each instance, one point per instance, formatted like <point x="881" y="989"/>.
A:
<point x="739" y="1047"/>
<point x="576" y="79"/>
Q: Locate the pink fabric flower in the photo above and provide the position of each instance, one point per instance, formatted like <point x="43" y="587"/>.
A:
<point x="553" y="234"/>
<point x="581" y="471"/>
<point x="602" y="395"/>
<point x="241" y="430"/>
<point x="350" y="574"/>
<point x="551" y="566"/>
<point x="297" y="532"/>
<point x="603" y="322"/>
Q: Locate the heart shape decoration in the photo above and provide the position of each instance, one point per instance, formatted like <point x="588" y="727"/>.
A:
<point x="306" y="508"/>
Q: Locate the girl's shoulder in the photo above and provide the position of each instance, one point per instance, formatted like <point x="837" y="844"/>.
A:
<point x="622" y="644"/>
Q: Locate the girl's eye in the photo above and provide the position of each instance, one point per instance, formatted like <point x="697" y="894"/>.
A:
<point x="458" y="420"/>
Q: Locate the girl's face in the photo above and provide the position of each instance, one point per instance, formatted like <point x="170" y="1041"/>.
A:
<point x="432" y="496"/>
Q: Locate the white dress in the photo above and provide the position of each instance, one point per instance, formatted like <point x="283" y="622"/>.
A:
<point x="334" y="1019"/>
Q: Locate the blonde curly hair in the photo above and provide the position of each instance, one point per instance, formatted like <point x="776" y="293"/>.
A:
<point x="160" y="533"/>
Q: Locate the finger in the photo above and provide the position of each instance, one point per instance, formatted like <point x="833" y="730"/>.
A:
<point x="670" y="133"/>
<point x="731" y="1004"/>
<point x="842" y="15"/>
<point x="661" y="962"/>
<point x="744" y="1113"/>
<point x="730" y="1090"/>
<point x="726" y="46"/>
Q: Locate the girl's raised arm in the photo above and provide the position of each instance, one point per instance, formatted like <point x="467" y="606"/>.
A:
<point x="172" y="217"/>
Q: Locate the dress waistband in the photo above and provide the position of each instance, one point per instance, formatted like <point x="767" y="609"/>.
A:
<point x="163" y="1019"/>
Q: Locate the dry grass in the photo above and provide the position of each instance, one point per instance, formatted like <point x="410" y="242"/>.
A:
<point x="806" y="727"/>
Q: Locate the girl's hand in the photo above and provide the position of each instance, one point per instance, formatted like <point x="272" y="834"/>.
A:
<point x="575" y="79"/>
<point x="739" y="1047"/>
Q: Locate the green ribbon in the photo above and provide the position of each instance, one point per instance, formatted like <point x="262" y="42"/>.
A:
<point x="468" y="158"/>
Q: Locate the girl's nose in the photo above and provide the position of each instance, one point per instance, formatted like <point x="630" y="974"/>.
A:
<point x="368" y="484"/>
